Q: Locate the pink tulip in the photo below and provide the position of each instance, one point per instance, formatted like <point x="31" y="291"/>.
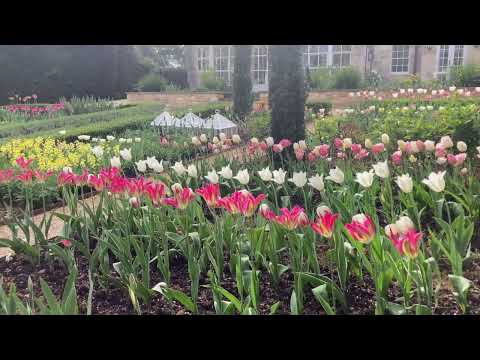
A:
<point x="361" y="229"/>
<point x="338" y="143"/>
<point x="378" y="148"/>
<point x="324" y="224"/>
<point x="362" y="154"/>
<point x="210" y="193"/>
<point x="356" y="148"/>
<point x="324" y="150"/>
<point x="456" y="160"/>
<point x="397" y="157"/>
<point x="299" y="154"/>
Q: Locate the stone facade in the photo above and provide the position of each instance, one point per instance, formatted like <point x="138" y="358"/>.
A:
<point x="176" y="99"/>
<point x="423" y="60"/>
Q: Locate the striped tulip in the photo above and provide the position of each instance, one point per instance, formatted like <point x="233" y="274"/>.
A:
<point x="361" y="228"/>
<point x="324" y="224"/>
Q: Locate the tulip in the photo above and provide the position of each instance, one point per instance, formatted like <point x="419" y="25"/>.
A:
<point x="265" y="174"/>
<point x="317" y="182"/>
<point x="203" y="138"/>
<point x="368" y="143"/>
<point x="23" y="163"/>
<point x="385" y="139"/>
<point x="129" y="141"/>
<point x="365" y="178"/>
<point x="441" y="160"/>
<point x="347" y="143"/>
<point x="277" y="148"/>
<point x="325" y="224"/>
<point x="461" y="146"/>
<point x="222" y="136"/>
<point x="336" y="175"/>
<point x="279" y="176"/>
<point x="196" y="141"/>
<point x="182" y="197"/>
<point x="192" y="171"/>
<point x="226" y="172"/>
<point x="405" y="183"/>
<point x="464" y="171"/>
<point x="236" y="139"/>
<point x="392" y="233"/>
<point x="241" y="202"/>
<point x="6" y="176"/>
<point x="378" y="148"/>
<point x="440" y="150"/>
<point x="179" y="168"/>
<point x="122" y="140"/>
<point x="412" y="159"/>
<point x="269" y="141"/>
<point x="115" y="162"/>
<point x="137" y="139"/>
<point x="285" y="143"/>
<point x="134" y="202"/>
<point x="322" y="209"/>
<point x="456" y="160"/>
<point x="84" y="137"/>
<point x="404" y="224"/>
<point x="411" y="243"/>
<point x="254" y="141"/>
<point x="266" y="212"/>
<point x="156" y="192"/>
<point x="211" y="194"/>
<point x="435" y="181"/>
<point x="299" y="154"/>
<point x="292" y="219"/>
<point x="110" y="138"/>
<point x="243" y="177"/>
<point x="338" y="143"/>
<point x="361" y="228"/>
<point x="299" y="179"/>
<point x="362" y="154"/>
<point x="126" y="154"/>
<point x="446" y="141"/>
<point x="213" y="177"/>
<point x="401" y="144"/>
<point x="356" y="148"/>
<point x="429" y="145"/>
<point x="62" y="132"/>
<point x="381" y="169"/>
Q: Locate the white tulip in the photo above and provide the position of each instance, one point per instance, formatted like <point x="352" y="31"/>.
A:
<point x="110" y="138"/>
<point x="226" y="172"/>
<point x="317" y="182"/>
<point x="477" y="89"/>
<point x="385" y="139"/>
<point x="302" y="144"/>
<point x="203" y="138"/>
<point x="336" y="175"/>
<point x="62" y="132"/>
<point x="429" y="145"/>
<point x="269" y="141"/>
<point x="84" y="137"/>
<point x="122" y="140"/>
<point x="347" y="143"/>
<point x="265" y="174"/>
<point x="322" y="209"/>
<point x="158" y="167"/>
<point x="115" y="162"/>
<point x="381" y="169"/>
<point x="368" y="143"/>
<point x="243" y="177"/>
<point x="279" y="176"/>
<point x="126" y="154"/>
<point x="452" y="88"/>
<point x="102" y="141"/>
<point x="405" y="183"/>
<point x="141" y="165"/>
<point x="299" y="179"/>
<point x="94" y="139"/>
<point x="179" y="168"/>
<point x="391" y="229"/>
<point x="446" y="141"/>
<point x="236" y="139"/>
<point x="67" y="169"/>
<point x="196" y="141"/>
<point x="212" y="177"/>
<point x="435" y="181"/>
<point x="215" y="140"/>
<point x="461" y="146"/>
<point x="137" y="139"/>
<point x="129" y="140"/>
<point x="365" y="178"/>
<point x="441" y="160"/>
<point x="360" y="218"/>
<point x="98" y="151"/>
<point x="192" y="171"/>
<point x="403" y="224"/>
<point x="222" y="136"/>
<point x="429" y="107"/>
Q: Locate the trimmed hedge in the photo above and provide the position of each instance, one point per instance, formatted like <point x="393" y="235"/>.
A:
<point x="315" y="106"/>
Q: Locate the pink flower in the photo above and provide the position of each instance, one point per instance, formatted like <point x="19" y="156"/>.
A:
<point x="156" y="192"/>
<point x="324" y="150"/>
<point x="41" y="177"/>
<point x="456" y="160"/>
<point x="292" y="219"/>
<point x="96" y="182"/>
<point x="397" y="157"/>
<point x="325" y="224"/>
<point x="23" y="163"/>
<point x="362" y="154"/>
<point x="356" y="148"/>
<point x="6" y="176"/>
<point x="277" y="148"/>
<point x="210" y="193"/>
<point x="341" y="155"/>
<point x="66" y="243"/>
<point x="338" y="143"/>
<point x="182" y="198"/>
<point x="299" y="154"/>
<point x="411" y="243"/>
<point x="311" y="156"/>
<point x="378" y="148"/>
<point x="440" y="150"/>
<point x="65" y="178"/>
<point x="26" y="176"/>
<point x="361" y="228"/>
<point x="241" y="202"/>
<point x="285" y="143"/>
<point x="420" y="145"/>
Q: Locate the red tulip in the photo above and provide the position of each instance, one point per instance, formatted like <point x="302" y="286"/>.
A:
<point x="356" y="148"/>
<point x="156" y="192"/>
<point x="241" y="202"/>
<point x="182" y="198"/>
<point x="292" y="219"/>
<point x="23" y="163"/>
<point x="378" y="148"/>
<point x="6" y="176"/>
<point x="325" y="224"/>
<point x="285" y="143"/>
<point x="361" y="228"/>
<point x="210" y="193"/>
<point x="26" y="176"/>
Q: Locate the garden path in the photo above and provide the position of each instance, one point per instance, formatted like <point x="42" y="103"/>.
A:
<point x="57" y="224"/>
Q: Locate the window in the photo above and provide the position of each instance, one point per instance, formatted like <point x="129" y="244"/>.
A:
<point x="400" y="58"/>
<point x="449" y="55"/>
<point x="202" y="58"/>
<point x="223" y="56"/>
<point x="322" y="56"/>
<point x="260" y="64"/>
<point x="458" y="55"/>
<point x="341" y="55"/>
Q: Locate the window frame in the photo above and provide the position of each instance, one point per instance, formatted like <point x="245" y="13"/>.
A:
<point x="392" y="58"/>
<point x="313" y="51"/>
<point x="256" y="68"/>
<point x="203" y="60"/>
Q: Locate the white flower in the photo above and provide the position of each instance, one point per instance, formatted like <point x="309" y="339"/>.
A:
<point x="122" y="140"/>
<point x="429" y="107"/>
<point x="102" y="141"/>
<point x="322" y="209"/>
<point x="361" y="218"/>
<point x="226" y="172"/>
<point x="215" y="140"/>
<point x="385" y="139"/>
<point x="94" y="139"/>
<point x="336" y="175"/>
<point x="115" y="162"/>
<point x="395" y="95"/>
<point x="391" y="229"/>
<point x="151" y="161"/>
<point x="84" y="137"/>
<point x="403" y="224"/>
<point x="203" y="138"/>
<point x="222" y="136"/>
<point x="97" y="151"/>
<point x="405" y="183"/>
<point x="429" y="145"/>
<point x="126" y="154"/>
<point x="196" y="141"/>
<point x="299" y="179"/>
<point x="368" y="143"/>
<point x="441" y="160"/>
<point x="141" y="165"/>
<point x="460" y="91"/>
<point x="110" y="138"/>
<point x="192" y="171"/>
<point x="137" y="139"/>
<point x="365" y="178"/>
<point x="402" y="91"/>
<point x="62" y="132"/>
<point x="243" y="177"/>
<point x="279" y="176"/>
<point x="317" y="182"/>
<point x="254" y="140"/>
<point x="212" y="177"/>
<point x="269" y="141"/>
<point x="478" y="150"/>
<point x="179" y="168"/>
<point x="452" y="88"/>
<point x="461" y="146"/>
<point x="434" y="92"/>
<point x="129" y="140"/>
<point x="477" y="89"/>
<point x="435" y="181"/>
<point x="158" y="166"/>
<point x="381" y="169"/>
<point x="446" y="141"/>
<point x="302" y="144"/>
<point x="67" y="169"/>
<point x="347" y="143"/>
<point x="265" y="174"/>
<point x="412" y="158"/>
<point x="236" y="139"/>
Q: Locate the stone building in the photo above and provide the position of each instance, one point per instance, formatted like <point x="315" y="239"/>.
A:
<point x="390" y="61"/>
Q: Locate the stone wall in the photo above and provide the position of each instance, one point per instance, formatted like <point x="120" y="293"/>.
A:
<point x="176" y="99"/>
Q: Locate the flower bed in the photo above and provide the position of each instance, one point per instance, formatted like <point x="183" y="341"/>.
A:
<point x="331" y="228"/>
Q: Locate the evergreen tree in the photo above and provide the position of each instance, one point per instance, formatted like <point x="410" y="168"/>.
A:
<point x="287" y="92"/>
<point x="242" y="82"/>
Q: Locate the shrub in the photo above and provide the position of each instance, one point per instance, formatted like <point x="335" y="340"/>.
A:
<point x="210" y="81"/>
<point x="321" y="79"/>
<point x="86" y="105"/>
<point x="151" y="82"/>
<point x="315" y="106"/>
<point x="373" y="80"/>
<point x="259" y="124"/>
<point x="175" y="77"/>
<point x="464" y="75"/>
<point x="242" y="82"/>
<point x="347" y="78"/>
<point x="326" y="128"/>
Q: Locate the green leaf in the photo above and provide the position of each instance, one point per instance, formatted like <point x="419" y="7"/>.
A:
<point x="320" y="293"/>
<point x="396" y="309"/>
<point x="293" y="304"/>
<point x="422" y="310"/>
<point x="274" y="308"/>
<point x="53" y="305"/>
<point x="460" y="283"/>
<point x="229" y="296"/>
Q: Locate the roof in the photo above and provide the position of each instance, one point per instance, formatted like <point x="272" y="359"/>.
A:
<point x="190" y="120"/>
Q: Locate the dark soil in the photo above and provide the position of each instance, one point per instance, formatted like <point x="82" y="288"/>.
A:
<point x="115" y="300"/>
